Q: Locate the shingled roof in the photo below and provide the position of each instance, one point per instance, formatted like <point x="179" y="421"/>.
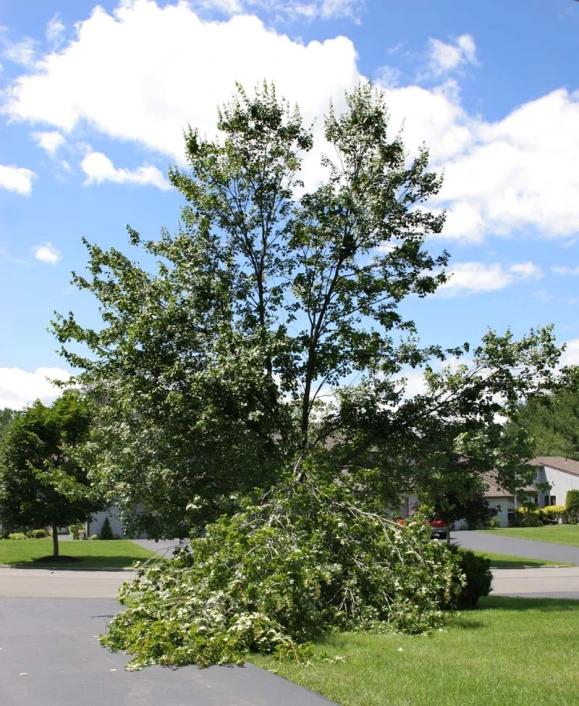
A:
<point x="494" y="490"/>
<point x="559" y="463"/>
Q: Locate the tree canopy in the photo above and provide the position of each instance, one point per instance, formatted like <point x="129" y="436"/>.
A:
<point x="552" y="420"/>
<point x="6" y="418"/>
<point x="272" y="328"/>
<point x="41" y="484"/>
<point x="250" y="384"/>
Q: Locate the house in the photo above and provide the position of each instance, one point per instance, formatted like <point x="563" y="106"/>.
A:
<point x="503" y="500"/>
<point x="96" y="522"/>
<point x="555" y="475"/>
<point x="562" y="474"/>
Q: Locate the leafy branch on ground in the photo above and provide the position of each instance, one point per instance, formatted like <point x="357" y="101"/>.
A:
<point x="306" y="559"/>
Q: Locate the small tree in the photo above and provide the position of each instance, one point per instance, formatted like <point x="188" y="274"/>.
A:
<point x="475" y="509"/>
<point x="572" y="506"/>
<point x="106" y="531"/>
<point x="41" y="483"/>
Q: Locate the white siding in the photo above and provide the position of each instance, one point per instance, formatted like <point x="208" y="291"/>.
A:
<point x="503" y="505"/>
<point x="98" y="520"/>
<point x="560" y="482"/>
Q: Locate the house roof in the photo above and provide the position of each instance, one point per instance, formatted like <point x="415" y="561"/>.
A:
<point x="494" y="490"/>
<point x="559" y="463"/>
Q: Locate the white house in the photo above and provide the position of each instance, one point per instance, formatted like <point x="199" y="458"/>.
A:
<point x="95" y="525"/>
<point x="562" y="474"/>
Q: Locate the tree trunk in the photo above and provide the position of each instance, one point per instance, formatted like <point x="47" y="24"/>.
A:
<point x="54" y="540"/>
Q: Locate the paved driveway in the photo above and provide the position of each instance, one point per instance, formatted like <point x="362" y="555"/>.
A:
<point x="50" y="656"/>
<point x="517" y="547"/>
<point x="537" y="583"/>
<point x="44" y="583"/>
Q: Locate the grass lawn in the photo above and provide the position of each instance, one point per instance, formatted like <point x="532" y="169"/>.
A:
<point x="519" y="652"/>
<point x="93" y="554"/>
<point x="554" y="534"/>
<point x="506" y="561"/>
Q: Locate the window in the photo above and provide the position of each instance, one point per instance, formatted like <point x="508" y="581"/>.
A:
<point x="553" y="500"/>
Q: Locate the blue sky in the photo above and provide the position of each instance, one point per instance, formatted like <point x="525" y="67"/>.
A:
<point x="93" y="100"/>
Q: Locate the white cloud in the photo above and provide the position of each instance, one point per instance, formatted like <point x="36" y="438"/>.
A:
<point x="475" y="277"/>
<point x="55" y="30"/>
<point x="445" y="58"/>
<point x="14" y="260"/>
<point x="519" y="173"/>
<point x="225" y="7"/>
<point x="148" y="91"/>
<point x="17" y="179"/>
<point x="574" y="271"/>
<point x="50" y="141"/>
<point x="22" y="52"/>
<point x="412" y="381"/>
<point x="543" y="296"/>
<point x="571" y="353"/>
<point x="98" y="168"/>
<point x="47" y="253"/>
<point x="19" y="388"/>
<point x="526" y="270"/>
<point x="285" y="9"/>
<point x="434" y="117"/>
<point x="335" y="9"/>
<point x="515" y="174"/>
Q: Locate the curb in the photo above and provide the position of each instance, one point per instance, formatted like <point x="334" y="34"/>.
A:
<point x="538" y="568"/>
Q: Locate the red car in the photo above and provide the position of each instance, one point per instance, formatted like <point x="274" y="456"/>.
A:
<point x="438" y="528"/>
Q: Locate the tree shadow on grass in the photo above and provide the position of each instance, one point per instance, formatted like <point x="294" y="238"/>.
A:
<point x="92" y="563"/>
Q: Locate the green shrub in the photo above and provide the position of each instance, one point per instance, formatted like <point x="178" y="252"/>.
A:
<point x="572" y="506"/>
<point x="528" y="518"/>
<point x="94" y="536"/>
<point x="17" y="535"/>
<point x="106" y="531"/>
<point x="478" y="575"/>
<point x="77" y="530"/>
<point x="494" y="523"/>
<point x="38" y="534"/>
<point x="285" y="569"/>
<point x="553" y="513"/>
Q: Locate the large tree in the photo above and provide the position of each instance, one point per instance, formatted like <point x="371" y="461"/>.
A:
<point x="41" y="483"/>
<point x="552" y="420"/>
<point x="270" y="327"/>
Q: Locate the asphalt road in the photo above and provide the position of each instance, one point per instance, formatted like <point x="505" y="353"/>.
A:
<point x="530" y="549"/>
<point x="50" y="656"/>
